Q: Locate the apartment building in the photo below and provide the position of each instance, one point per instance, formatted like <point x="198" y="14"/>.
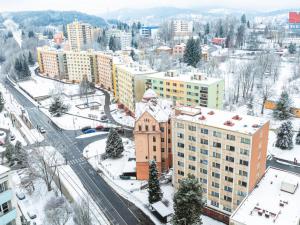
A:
<point x="182" y="29"/>
<point x="52" y="62"/>
<point x="81" y="64"/>
<point x="152" y="134"/>
<point x="179" y="49"/>
<point x="123" y="37"/>
<point x="130" y="84"/>
<point x="79" y="35"/>
<point x="224" y="151"/>
<point x="190" y="89"/>
<point x="8" y="205"/>
<point x="105" y="70"/>
<point x="275" y="201"/>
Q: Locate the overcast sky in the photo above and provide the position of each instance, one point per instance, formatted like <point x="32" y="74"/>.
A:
<point x="103" y="6"/>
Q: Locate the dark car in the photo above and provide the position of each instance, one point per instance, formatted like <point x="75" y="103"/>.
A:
<point x="89" y="131"/>
<point x="85" y="128"/>
<point x="106" y="128"/>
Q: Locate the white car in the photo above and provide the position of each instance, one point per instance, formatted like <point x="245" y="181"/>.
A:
<point x="42" y="130"/>
<point x="20" y="195"/>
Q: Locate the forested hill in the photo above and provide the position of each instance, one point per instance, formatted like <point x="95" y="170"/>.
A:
<point x="45" y="18"/>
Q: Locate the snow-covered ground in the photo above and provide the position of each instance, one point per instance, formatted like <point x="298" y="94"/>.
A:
<point x="129" y="189"/>
<point x="14" y="28"/>
<point x="121" y="117"/>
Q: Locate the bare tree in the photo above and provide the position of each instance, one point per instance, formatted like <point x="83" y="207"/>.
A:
<point x="86" y="87"/>
<point x="265" y="94"/>
<point x="57" y="211"/>
<point x="82" y="213"/>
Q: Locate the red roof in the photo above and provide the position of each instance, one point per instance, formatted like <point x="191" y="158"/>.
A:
<point x="294" y="17"/>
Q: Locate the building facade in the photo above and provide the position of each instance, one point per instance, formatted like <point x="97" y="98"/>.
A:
<point x="123" y="37"/>
<point x="152" y="134"/>
<point x="193" y="89"/>
<point x="105" y="70"/>
<point x="149" y="31"/>
<point x="8" y="205"/>
<point x="79" y="35"/>
<point x="224" y="151"/>
<point x="294" y="22"/>
<point x="178" y="50"/>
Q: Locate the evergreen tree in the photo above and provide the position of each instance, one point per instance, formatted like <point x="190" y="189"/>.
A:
<point x="192" y="54"/>
<point x="57" y="107"/>
<point x="188" y="202"/>
<point x="248" y="24"/>
<point x="25" y="69"/>
<point x="9" y="151"/>
<point x="2" y="102"/>
<point x="30" y="59"/>
<point x="283" y="107"/>
<point x="65" y="32"/>
<point x="298" y="138"/>
<point x="30" y="34"/>
<point x="113" y="45"/>
<point x="292" y="48"/>
<point x="114" y="144"/>
<point x="243" y="19"/>
<point x="285" y="136"/>
<point x="133" y="55"/>
<point x="207" y="29"/>
<point x="154" y="192"/>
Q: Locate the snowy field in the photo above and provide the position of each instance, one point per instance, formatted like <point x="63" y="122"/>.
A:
<point x="121" y="117"/>
<point x="129" y="189"/>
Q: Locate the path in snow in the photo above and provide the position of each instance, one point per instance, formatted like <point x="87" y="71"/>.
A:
<point x="14" y="28"/>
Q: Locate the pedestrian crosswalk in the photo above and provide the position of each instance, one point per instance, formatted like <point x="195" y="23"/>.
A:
<point x="269" y="157"/>
<point x="76" y="161"/>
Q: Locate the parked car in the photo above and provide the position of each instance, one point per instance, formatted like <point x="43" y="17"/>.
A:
<point x="20" y="195"/>
<point x="106" y="128"/>
<point x="12" y="137"/>
<point x="99" y="127"/>
<point x="85" y="128"/>
<point x="42" y="130"/>
<point x="104" y="117"/>
<point x="89" y="131"/>
<point x="31" y="215"/>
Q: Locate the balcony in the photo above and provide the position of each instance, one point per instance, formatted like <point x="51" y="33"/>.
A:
<point x="8" y="217"/>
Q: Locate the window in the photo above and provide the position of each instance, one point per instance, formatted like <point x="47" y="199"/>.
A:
<point x="204" y="151"/>
<point x="204" y="141"/>
<point x="216" y="165"/>
<point x="192" y="148"/>
<point x="216" y="175"/>
<point x="180" y="173"/>
<point x="215" y="184"/>
<point x="204" y="171"/>
<point x="180" y="164"/>
<point x="229" y="179"/>
<point x="230" y="137"/>
<point x="243" y="162"/>
<point x="214" y="203"/>
<point x="154" y="158"/>
<point x="3" y="186"/>
<point x="180" y="145"/>
<point x="217" y="145"/>
<point x="242" y="183"/>
<point x="180" y="135"/>
<point x="229" y="189"/>
<point x="192" y="158"/>
<point x="162" y="149"/>
<point x="140" y="127"/>
<point x="228" y="169"/>
<point x="217" y="134"/>
<point x="244" y="151"/>
<point x="226" y="209"/>
<point x="243" y="173"/>
<point x="192" y="128"/>
<point x="229" y="159"/>
<point x="180" y="154"/>
<point x="203" y="180"/>
<point x="242" y="194"/>
<point x="216" y="155"/>
<point x="146" y="127"/>
<point x="4" y="207"/>
<point x="188" y="86"/>
<point x="192" y="138"/>
<point x="162" y="129"/>
<point x="215" y="194"/>
<point x="154" y="139"/>
<point x="153" y="127"/>
<point x="245" y="141"/>
<point x="228" y="199"/>
<point x="204" y="161"/>
<point x="230" y="148"/>
<point x="180" y="125"/>
<point x="191" y="167"/>
<point x="204" y="131"/>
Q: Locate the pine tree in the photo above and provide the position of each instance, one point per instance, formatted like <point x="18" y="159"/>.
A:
<point x="154" y="192"/>
<point x="298" y="138"/>
<point x="9" y="151"/>
<point x="30" y="59"/>
<point x="292" y="48"/>
<point x="57" y="108"/>
<point x="283" y="107"/>
<point x="285" y="136"/>
<point x="207" y="29"/>
<point x="114" y="144"/>
<point x="2" y="102"/>
<point x="30" y="34"/>
<point x="188" y="202"/>
<point x="112" y="43"/>
<point x="248" y="24"/>
<point x="243" y="19"/>
<point x="192" y="54"/>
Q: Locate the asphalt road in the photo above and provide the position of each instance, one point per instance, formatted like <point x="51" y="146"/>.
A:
<point x="115" y="208"/>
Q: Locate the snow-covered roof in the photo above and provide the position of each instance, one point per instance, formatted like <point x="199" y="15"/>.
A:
<point x="160" y="208"/>
<point x="4" y="169"/>
<point x="136" y="69"/>
<point x="160" y="109"/>
<point x="220" y="119"/>
<point x="164" y="48"/>
<point x="268" y="204"/>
